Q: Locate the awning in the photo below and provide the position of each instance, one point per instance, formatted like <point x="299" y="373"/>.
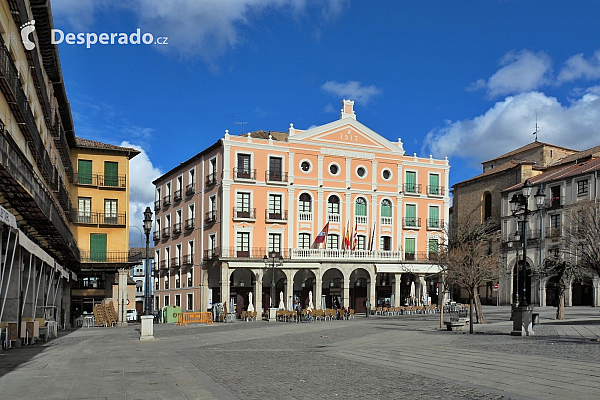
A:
<point x="34" y="249"/>
<point x="420" y="268"/>
<point x="7" y="218"/>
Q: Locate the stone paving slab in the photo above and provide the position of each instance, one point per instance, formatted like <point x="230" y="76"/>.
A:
<point x="376" y="357"/>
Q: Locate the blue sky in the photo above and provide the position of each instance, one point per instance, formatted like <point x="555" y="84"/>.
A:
<point x="462" y="79"/>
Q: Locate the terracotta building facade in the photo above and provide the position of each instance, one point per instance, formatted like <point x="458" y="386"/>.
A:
<point x="381" y="214"/>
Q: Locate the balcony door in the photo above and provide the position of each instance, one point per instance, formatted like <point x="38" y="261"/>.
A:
<point x="98" y="247"/>
<point x="275" y="169"/>
<point x="84" y="172"/>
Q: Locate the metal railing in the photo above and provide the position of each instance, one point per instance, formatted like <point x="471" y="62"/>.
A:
<point x="114" y="181"/>
<point x="177" y="228"/>
<point x="156" y="205"/>
<point x="276" y="176"/>
<point x="411" y="188"/>
<point x="190" y="189"/>
<point x="249" y="174"/>
<point x="167" y="200"/>
<point x="211" y="179"/>
<point x="188" y="259"/>
<point x="96" y="218"/>
<point x="175" y="262"/>
<point x="85" y="179"/>
<point x="411" y="222"/>
<point x="244" y="213"/>
<point x="166" y="232"/>
<point x="279" y="215"/>
<point x="177" y="195"/>
<point x="435" y="223"/>
<point x="210" y="217"/>
<point x="555" y="202"/>
<point x="156" y="236"/>
<point x="105" y="256"/>
<point x="189" y="224"/>
<point x="553" y="231"/>
<point x="436" y="190"/>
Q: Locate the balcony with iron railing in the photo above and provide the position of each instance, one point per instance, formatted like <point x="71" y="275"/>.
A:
<point x="177" y="195"/>
<point x="242" y="213"/>
<point x="175" y="262"/>
<point x="166" y="232"/>
<point x="190" y="189"/>
<point x="96" y="218"/>
<point x="210" y="217"/>
<point x="276" y="177"/>
<point x="411" y="222"/>
<point x="211" y="179"/>
<point x="554" y="202"/>
<point x="112" y="181"/>
<point x="188" y="259"/>
<point x="417" y="256"/>
<point x="411" y="188"/>
<point x="435" y="190"/>
<point x="242" y="174"/>
<point x="156" y="205"/>
<point x="189" y="224"/>
<point x="167" y="200"/>
<point x="106" y="257"/>
<point x="553" y="231"/>
<point x="435" y="223"/>
<point x="156" y="236"/>
<point x="280" y="216"/>
<point x="164" y="264"/>
<point x="86" y="179"/>
<point x="177" y="228"/>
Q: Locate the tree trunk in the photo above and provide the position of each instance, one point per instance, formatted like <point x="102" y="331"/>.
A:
<point x="470" y="313"/>
<point x="479" y="310"/>
<point x="442" y="309"/>
<point x="560" y="310"/>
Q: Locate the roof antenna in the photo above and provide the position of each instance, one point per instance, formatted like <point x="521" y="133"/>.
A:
<point x="536" y="128"/>
<point x="242" y="124"/>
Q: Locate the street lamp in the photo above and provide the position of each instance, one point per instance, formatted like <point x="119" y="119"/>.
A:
<point x="147" y="229"/>
<point x="519" y="208"/>
<point x="274" y="262"/>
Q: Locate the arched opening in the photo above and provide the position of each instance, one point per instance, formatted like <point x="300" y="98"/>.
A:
<point x="304" y="284"/>
<point x="333" y="284"/>
<point x="358" y="290"/>
<point x="241" y="285"/>
<point x="280" y="284"/>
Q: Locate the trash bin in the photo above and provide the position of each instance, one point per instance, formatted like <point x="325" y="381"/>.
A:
<point x="535" y="319"/>
<point x="170" y="313"/>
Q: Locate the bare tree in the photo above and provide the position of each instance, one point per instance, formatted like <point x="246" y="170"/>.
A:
<point x="469" y="260"/>
<point x="582" y="234"/>
<point x="565" y="271"/>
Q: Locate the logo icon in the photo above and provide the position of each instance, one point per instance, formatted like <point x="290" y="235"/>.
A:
<point x="26" y="29"/>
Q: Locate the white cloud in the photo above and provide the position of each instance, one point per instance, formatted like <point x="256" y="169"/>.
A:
<point x="352" y="90"/>
<point x="577" y="67"/>
<point x="141" y="191"/>
<point x="521" y="71"/>
<point x="510" y="124"/>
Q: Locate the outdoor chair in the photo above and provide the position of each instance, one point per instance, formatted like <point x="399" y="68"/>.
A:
<point x="244" y="316"/>
<point x="351" y="314"/>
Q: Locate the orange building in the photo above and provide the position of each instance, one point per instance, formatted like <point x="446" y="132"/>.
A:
<point x="270" y="194"/>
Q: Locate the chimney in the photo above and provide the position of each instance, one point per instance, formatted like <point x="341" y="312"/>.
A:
<point x="347" y="109"/>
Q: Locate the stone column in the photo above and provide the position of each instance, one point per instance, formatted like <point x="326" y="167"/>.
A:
<point x="371" y="293"/>
<point x="596" y="294"/>
<point x="398" y="281"/>
<point x="543" y="292"/>
<point x="420" y="288"/>
<point x="204" y="290"/>
<point x="122" y="297"/>
<point x="289" y="288"/>
<point x="346" y="293"/>
<point x="569" y="294"/>
<point x="318" y="289"/>
<point x="258" y="284"/>
<point x="225" y="285"/>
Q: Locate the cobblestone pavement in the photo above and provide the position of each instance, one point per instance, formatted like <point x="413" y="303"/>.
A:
<point x="377" y="357"/>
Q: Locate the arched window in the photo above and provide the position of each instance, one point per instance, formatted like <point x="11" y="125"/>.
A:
<point x="361" y="207"/>
<point x="305" y="203"/>
<point x="386" y="212"/>
<point x="333" y="209"/>
<point x="487" y="206"/>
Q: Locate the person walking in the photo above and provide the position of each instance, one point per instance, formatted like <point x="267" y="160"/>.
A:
<point x="298" y="311"/>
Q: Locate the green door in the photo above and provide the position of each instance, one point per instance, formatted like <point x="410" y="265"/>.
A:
<point x="411" y="182"/>
<point x="111" y="173"/>
<point x="98" y="247"/>
<point x="434" y="185"/>
<point x="84" y="172"/>
<point x="410" y="218"/>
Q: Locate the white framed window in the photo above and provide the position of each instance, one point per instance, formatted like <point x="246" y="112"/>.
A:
<point x="334" y="169"/>
<point x="361" y="171"/>
<point x="305" y="166"/>
<point x="386" y="174"/>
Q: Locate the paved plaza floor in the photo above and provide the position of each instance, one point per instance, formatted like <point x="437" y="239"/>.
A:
<point x="396" y="357"/>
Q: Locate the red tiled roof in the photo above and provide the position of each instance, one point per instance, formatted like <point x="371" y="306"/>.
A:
<point x="527" y="147"/>
<point x="510" y="164"/>
<point x="92" y="144"/>
<point x="562" y="173"/>
<point x="580" y="155"/>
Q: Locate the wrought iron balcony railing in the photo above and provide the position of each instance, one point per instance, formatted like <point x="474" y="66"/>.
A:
<point x="190" y="189"/>
<point x="411" y="188"/>
<point x="276" y="215"/>
<point x="177" y="228"/>
<point x="244" y="213"/>
<point x="242" y="173"/>
<point x="435" y="190"/>
<point x="275" y="176"/>
<point x="189" y="224"/>
<point x="177" y="195"/>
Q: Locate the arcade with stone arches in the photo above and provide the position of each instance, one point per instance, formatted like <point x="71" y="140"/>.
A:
<point x="353" y="285"/>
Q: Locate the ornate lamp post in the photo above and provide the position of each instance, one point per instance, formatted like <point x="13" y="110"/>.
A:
<point x="274" y="262"/>
<point x="519" y="206"/>
<point x="147" y="229"/>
